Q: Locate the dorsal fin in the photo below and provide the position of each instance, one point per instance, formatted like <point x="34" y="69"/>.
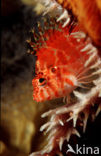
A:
<point x="39" y="35"/>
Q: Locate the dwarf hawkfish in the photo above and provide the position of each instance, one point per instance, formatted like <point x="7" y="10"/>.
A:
<point x="65" y="58"/>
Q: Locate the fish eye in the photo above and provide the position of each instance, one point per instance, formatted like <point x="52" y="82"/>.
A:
<point x="53" y="70"/>
<point x="42" y="81"/>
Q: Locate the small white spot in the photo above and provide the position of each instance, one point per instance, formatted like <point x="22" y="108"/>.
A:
<point x="78" y="40"/>
<point x="64" y="15"/>
<point x="90" y="59"/>
<point x="61" y="122"/>
<point x="78" y="34"/>
<point x="45" y="93"/>
<point x="66" y="22"/>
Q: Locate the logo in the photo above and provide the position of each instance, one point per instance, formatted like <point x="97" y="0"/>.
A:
<point x="83" y="150"/>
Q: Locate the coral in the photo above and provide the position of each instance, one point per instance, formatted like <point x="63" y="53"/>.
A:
<point x="19" y="129"/>
<point x="65" y="120"/>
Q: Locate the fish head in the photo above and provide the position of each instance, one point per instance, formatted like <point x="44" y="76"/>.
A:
<point x="52" y="82"/>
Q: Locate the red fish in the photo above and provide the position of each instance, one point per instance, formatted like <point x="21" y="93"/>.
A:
<point x="63" y="62"/>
